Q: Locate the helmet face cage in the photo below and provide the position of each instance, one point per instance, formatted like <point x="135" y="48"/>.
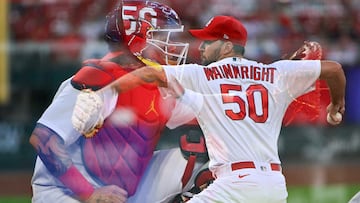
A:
<point x="149" y="27"/>
<point x="175" y="52"/>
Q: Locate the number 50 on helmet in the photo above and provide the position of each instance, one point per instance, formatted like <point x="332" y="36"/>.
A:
<point x="147" y="28"/>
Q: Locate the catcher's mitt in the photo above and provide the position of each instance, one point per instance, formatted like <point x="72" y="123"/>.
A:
<point x="87" y="117"/>
<point x="310" y="50"/>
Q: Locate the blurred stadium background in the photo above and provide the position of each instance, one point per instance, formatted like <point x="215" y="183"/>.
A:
<point x="42" y="42"/>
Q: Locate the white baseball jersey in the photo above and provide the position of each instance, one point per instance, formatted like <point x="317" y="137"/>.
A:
<point x="46" y="188"/>
<point x="243" y="102"/>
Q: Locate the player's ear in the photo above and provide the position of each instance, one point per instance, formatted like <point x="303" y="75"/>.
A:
<point x="227" y="47"/>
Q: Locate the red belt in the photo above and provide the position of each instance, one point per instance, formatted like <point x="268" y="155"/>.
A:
<point x="250" y="164"/>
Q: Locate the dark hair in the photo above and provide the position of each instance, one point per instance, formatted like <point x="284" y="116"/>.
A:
<point x="239" y="49"/>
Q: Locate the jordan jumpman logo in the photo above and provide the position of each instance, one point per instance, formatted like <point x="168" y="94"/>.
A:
<point x="152" y="107"/>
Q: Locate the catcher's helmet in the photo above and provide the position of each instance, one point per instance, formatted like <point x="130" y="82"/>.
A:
<point x="146" y="27"/>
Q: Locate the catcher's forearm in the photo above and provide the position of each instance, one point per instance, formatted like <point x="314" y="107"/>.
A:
<point x="51" y="150"/>
<point x="139" y="77"/>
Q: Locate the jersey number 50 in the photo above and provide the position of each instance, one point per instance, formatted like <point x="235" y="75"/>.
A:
<point x="250" y="97"/>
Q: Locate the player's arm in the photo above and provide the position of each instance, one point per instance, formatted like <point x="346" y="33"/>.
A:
<point x="51" y="150"/>
<point x="88" y="105"/>
<point x="144" y="75"/>
<point x="148" y="74"/>
<point x="87" y="118"/>
<point x="333" y="73"/>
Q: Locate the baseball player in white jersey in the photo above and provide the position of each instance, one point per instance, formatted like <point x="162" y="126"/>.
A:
<point x="108" y="164"/>
<point x="240" y="104"/>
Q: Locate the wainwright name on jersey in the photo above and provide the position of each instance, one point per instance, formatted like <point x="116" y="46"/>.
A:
<point x="239" y="98"/>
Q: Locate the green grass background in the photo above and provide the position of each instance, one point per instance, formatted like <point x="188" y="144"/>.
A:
<point x="15" y="199"/>
<point x="322" y="194"/>
<point x="315" y="194"/>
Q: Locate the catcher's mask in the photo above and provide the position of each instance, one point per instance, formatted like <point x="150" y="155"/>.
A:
<point x="148" y="28"/>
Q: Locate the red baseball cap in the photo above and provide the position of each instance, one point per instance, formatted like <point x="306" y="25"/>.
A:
<point x="222" y="28"/>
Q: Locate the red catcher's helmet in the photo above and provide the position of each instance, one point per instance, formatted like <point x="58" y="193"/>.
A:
<point x="148" y="27"/>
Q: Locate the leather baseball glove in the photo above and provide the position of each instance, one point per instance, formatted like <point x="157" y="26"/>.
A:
<point x="308" y="105"/>
<point x="310" y="50"/>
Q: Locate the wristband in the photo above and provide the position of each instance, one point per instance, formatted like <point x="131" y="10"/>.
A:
<point x="77" y="183"/>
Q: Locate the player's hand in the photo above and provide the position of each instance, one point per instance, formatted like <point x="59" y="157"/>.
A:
<point x="335" y="112"/>
<point x="87" y="117"/>
<point x="108" y="194"/>
<point x="310" y="50"/>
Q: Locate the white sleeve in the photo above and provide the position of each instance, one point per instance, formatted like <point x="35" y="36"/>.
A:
<point x="187" y="108"/>
<point x="180" y="115"/>
<point x="189" y="104"/>
<point x="58" y="115"/>
<point x="192" y="99"/>
<point x="298" y="77"/>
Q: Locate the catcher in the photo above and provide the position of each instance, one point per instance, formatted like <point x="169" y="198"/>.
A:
<point x="107" y="163"/>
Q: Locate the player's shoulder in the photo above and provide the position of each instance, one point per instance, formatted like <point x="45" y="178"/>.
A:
<point x="96" y="73"/>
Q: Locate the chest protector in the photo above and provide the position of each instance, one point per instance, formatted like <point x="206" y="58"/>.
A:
<point x="97" y="73"/>
<point x="119" y="155"/>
